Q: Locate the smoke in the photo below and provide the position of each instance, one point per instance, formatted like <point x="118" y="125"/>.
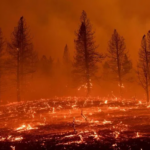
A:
<point x="52" y="23"/>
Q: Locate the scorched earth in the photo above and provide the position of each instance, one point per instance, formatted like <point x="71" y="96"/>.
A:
<point x="75" y="123"/>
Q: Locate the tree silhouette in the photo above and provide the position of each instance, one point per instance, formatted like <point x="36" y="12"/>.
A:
<point x="143" y="66"/>
<point x="23" y="56"/>
<point x="2" y="62"/>
<point x="66" y="56"/>
<point x="86" y="56"/>
<point x="67" y="67"/>
<point x="46" y="66"/>
<point x="119" y="62"/>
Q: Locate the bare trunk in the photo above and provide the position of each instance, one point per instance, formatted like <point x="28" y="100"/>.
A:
<point x="147" y="94"/>
<point x="88" y="88"/>
<point x="18" y="76"/>
<point x="0" y="90"/>
<point x="120" y="85"/>
<point x="86" y="65"/>
<point x="147" y="85"/>
<point x="147" y="76"/>
<point x="119" y="71"/>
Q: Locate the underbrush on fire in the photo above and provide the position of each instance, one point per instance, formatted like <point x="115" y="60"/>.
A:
<point x="75" y="123"/>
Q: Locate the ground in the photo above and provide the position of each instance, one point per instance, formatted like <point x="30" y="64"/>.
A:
<point x="75" y="123"/>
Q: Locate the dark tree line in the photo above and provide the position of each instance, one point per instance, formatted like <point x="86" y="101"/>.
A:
<point x="23" y="60"/>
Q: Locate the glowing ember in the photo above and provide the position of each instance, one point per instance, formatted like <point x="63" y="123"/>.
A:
<point x="54" y="110"/>
<point x="107" y="122"/>
<point x="106" y="101"/>
<point x="17" y="139"/>
<point x="137" y="135"/>
<point x="13" y="147"/>
<point x="25" y="128"/>
<point x="114" y="145"/>
<point x="140" y="102"/>
<point x="75" y="121"/>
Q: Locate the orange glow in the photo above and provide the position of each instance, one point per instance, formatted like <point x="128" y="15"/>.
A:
<point x="25" y="128"/>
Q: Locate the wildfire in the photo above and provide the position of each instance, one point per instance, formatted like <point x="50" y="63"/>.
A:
<point x="25" y="128"/>
<point x="53" y="110"/>
<point x="17" y="138"/>
<point x="137" y="135"/>
<point x="106" y="101"/>
<point x="2" y="139"/>
<point x="73" y="106"/>
<point x="13" y="147"/>
<point x="122" y="85"/>
<point x="116" y="134"/>
<point x="140" y="102"/>
<point x="96" y="136"/>
<point x="11" y="138"/>
<point x="114" y="145"/>
<point x="93" y="115"/>
<point x="85" y="86"/>
<point x="107" y="122"/>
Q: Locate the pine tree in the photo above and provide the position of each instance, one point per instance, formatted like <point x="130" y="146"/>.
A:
<point x="22" y="54"/>
<point x="107" y="72"/>
<point x="118" y="58"/>
<point x="67" y="66"/>
<point x="2" y="62"/>
<point x="46" y="66"/>
<point x="51" y="63"/>
<point x="143" y="66"/>
<point x="86" y="56"/>
<point x="66" y="56"/>
<point x="127" y="65"/>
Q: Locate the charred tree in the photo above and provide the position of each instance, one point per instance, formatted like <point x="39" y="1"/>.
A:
<point x="46" y="66"/>
<point x="143" y="66"/>
<point x="2" y="62"/>
<point x="23" y="56"/>
<point x="66" y="56"/>
<point x="67" y="67"/>
<point x="119" y="62"/>
<point x="86" y="56"/>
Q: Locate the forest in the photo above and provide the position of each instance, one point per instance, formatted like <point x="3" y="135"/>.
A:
<point x="89" y="98"/>
<point x="26" y="75"/>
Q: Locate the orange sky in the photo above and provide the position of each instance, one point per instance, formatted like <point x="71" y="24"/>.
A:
<point x="52" y="23"/>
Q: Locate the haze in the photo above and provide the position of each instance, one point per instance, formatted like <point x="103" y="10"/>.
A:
<point x="55" y="21"/>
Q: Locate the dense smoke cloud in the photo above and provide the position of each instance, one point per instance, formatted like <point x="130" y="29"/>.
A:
<point x="52" y="21"/>
<point x="52" y="25"/>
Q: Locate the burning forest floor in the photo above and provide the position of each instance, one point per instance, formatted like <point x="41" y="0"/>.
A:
<point x="75" y="123"/>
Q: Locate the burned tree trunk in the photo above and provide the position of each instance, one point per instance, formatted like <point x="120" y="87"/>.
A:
<point x="86" y="57"/>
<point x="143" y="67"/>
<point x="2" y="63"/>
<point x="117" y="58"/>
<point x="18" y="75"/>
<point x="22" y="55"/>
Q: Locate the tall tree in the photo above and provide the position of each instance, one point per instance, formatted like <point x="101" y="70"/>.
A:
<point x="46" y="66"/>
<point x="118" y="58"/>
<point x="86" y="56"/>
<point x="143" y="66"/>
<point x="1" y="61"/>
<point x="67" y="65"/>
<point x="22" y="54"/>
<point x="66" y="56"/>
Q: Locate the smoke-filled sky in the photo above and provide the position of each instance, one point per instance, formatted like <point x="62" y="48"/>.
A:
<point x="52" y="23"/>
